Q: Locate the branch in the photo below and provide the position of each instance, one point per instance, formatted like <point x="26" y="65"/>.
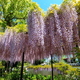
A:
<point x="19" y="18"/>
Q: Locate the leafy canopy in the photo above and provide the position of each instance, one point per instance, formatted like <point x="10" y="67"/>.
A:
<point x="11" y="10"/>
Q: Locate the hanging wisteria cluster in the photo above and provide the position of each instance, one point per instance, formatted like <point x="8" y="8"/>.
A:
<point x="57" y="33"/>
<point x="12" y="46"/>
<point x="68" y="23"/>
<point x="53" y="37"/>
<point x="35" y="36"/>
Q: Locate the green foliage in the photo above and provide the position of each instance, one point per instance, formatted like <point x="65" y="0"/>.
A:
<point x="1" y="33"/>
<point x="39" y="66"/>
<point x="77" y="51"/>
<point x="77" y="5"/>
<point x="35" y="7"/>
<point x="37" y="77"/>
<point x="52" y="8"/>
<point x="1" y="66"/>
<point x="72" y="3"/>
<point x="13" y="10"/>
<point x="13" y="75"/>
<point x="19" y="21"/>
<point x="19" y="28"/>
<point x="2" y="26"/>
<point x="1" y="78"/>
<point x="69" y="73"/>
<point x="37" y="62"/>
<point x="62" y="66"/>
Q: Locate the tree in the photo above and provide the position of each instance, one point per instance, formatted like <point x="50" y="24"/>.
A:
<point x="13" y="10"/>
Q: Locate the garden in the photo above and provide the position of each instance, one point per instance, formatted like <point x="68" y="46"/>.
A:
<point x="37" y="44"/>
<point x="62" y="71"/>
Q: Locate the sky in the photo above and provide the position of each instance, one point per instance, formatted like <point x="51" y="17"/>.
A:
<point x="45" y="4"/>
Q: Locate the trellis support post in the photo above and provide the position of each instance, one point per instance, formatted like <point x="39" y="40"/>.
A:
<point x="52" y="66"/>
<point x="22" y="66"/>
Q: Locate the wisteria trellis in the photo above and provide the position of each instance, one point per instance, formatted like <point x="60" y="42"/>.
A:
<point x="57" y="33"/>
